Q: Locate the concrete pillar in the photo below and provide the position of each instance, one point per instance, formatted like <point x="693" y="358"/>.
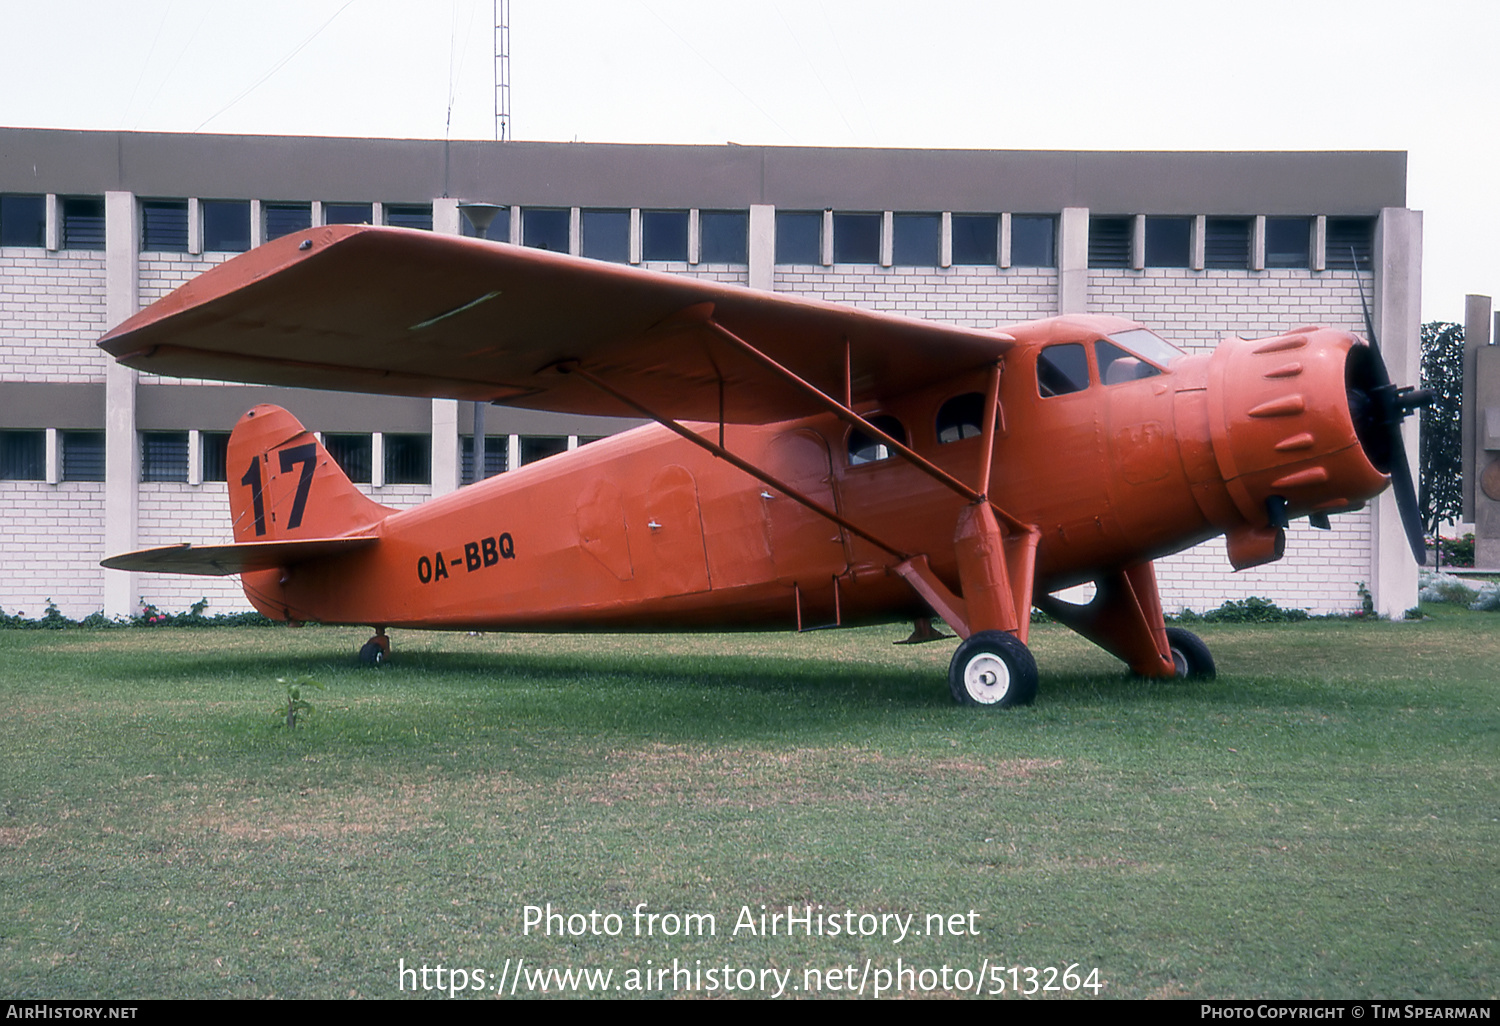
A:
<point x="53" y="226"/>
<point x="826" y="241"/>
<point x="694" y="243"/>
<point x="1258" y="243"/>
<point x="121" y="449"/>
<point x="445" y="448"/>
<point x="1002" y="242"/>
<point x="1073" y="261"/>
<point x="1320" y="243"/>
<point x="634" y="243"/>
<point x="945" y="240"/>
<point x="1398" y="320"/>
<point x="1138" y="243"/>
<point x="1476" y="334"/>
<point x="1199" y="242"/>
<point x="195" y="225"/>
<point x="762" y="246"/>
<point x="887" y="237"/>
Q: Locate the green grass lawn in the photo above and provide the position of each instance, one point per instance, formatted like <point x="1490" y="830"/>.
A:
<point x="1321" y="821"/>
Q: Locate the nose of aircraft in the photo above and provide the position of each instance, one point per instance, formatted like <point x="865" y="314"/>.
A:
<point x="1305" y="424"/>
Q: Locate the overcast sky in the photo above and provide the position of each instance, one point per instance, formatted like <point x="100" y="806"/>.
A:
<point x="1153" y="74"/>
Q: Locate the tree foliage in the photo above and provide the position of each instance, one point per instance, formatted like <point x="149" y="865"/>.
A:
<point x="1440" y="494"/>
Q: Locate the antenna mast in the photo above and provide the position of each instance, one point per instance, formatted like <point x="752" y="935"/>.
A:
<point x="502" y="70"/>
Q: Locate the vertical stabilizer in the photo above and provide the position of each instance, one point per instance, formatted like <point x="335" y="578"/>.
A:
<point x="284" y="485"/>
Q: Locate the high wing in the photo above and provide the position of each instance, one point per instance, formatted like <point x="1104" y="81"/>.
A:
<point x="402" y="312"/>
<point x="235" y="558"/>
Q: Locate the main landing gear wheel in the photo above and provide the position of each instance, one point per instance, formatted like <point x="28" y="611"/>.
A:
<point x="992" y="668"/>
<point x="1190" y="655"/>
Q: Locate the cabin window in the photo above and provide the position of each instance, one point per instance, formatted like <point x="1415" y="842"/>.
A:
<point x="866" y="448"/>
<point x="1033" y="240"/>
<point x="976" y="239"/>
<point x="724" y="236"/>
<point x="83" y="455"/>
<point x="164" y="456"/>
<point x="347" y="213"/>
<point x="1061" y="369"/>
<point x="1117" y="366"/>
<point x="916" y="239"/>
<point x="23" y="220"/>
<point x="961" y="417"/>
<point x="164" y="226"/>
<point x="664" y="235"/>
<point x="856" y="238"/>
<point x="353" y="454"/>
<point x="409" y="216"/>
<point x="226" y="226"/>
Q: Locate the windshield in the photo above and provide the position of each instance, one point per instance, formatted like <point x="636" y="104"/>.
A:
<point x="1147" y="345"/>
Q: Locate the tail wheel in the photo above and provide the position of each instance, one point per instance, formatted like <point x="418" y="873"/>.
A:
<point x="1190" y="655"/>
<point x="992" y="668"/>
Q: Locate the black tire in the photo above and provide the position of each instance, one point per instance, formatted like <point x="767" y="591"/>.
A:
<point x="1190" y="655"/>
<point x="373" y="654"/>
<point x="992" y="668"/>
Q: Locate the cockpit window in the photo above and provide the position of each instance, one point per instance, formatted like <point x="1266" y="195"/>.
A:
<point x="1148" y="345"/>
<point x="961" y="417"/>
<point x="865" y="448"/>
<point x="1117" y="366"/>
<point x="1061" y="369"/>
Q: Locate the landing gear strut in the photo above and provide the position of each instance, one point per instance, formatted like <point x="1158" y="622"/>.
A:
<point x="376" y="651"/>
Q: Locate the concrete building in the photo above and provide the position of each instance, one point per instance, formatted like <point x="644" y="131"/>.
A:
<point x="98" y="459"/>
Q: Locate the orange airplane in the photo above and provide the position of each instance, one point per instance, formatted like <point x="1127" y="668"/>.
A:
<point x="812" y="465"/>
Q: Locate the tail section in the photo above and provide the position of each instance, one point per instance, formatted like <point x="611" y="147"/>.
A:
<point x="283" y="485"/>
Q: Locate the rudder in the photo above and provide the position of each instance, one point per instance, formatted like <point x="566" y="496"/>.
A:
<point x="284" y="485"/>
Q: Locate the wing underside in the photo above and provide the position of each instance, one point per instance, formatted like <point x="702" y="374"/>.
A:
<point x="400" y="312"/>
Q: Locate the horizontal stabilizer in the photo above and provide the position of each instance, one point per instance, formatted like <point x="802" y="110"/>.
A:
<point x="241" y="557"/>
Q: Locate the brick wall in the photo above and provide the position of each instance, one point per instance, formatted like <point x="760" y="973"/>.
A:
<point x="51" y="314"/>
<point x="159" y="274"/>
<point x="66" y="523"/>
<point x="977" y="297"/>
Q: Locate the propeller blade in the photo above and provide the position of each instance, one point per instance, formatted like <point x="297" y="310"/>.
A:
<point x="1406" y="500"/>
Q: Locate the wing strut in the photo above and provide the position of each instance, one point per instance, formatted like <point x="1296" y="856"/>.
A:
<point x="572" y="367"/>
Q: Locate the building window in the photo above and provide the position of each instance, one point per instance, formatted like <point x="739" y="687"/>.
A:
<point x="214" y="454"/>
<point x="164" y="456"/>
<point x="539" y="447"/>
<point x="496" y="456"/>
<point x="1350" y="243"/>
<point x="976" y="239"/>
<point x="1226" y="243"/>
<point x="1109" y="241"/>
<point x="1033" y="240"/>
<point x="856" y="238"/>
<point x="23" y="221"/>
<point x="866" y="448"/>
<point x="164" y="226"/>
<point x="347" y="213"/>
<point x="408" y="459"/>
<point x="724" y="236"/>
<point x="353" y="454"/>
<point x="1169" y="241"/>
<point x="83" y="455"/>
<point x="606" y="235"/>
<point x="286" y="218"/>
<point x="23" y="455"/>
<point x="1288" y="241"/>
<point x="226" y="226"/>
<point x="83" y="222"/>
<point x="799" y="237"/>
<point x="545" y="229"/>
<point x="916" y="239"/>
<point x="409" y="216"/>
<point x="664" y="235"/>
